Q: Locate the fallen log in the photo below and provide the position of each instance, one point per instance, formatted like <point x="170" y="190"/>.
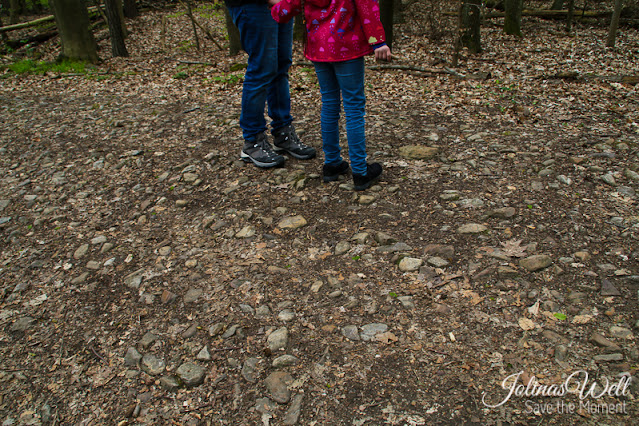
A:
<point x="542" y="13"/>
<point x="38" y="21"/>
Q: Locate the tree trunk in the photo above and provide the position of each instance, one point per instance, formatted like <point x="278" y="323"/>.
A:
<point x="469" y="25"/>
<point x="614" y="23"/>
<point x="571" y="15"/>
<point x="3" y="36"/>
<point x="14" y="11"/>
<point x="235" y="44"/>
<point x="512" y="21"/>
<point x="118" y="48"/>
<point x="386" y="12"/>
<point x="299" y="28"/>
<point x="72" y="19"/>
<point x="131" y="9"/>
<point x="557" y="5"/>
<point x="125" y="32"/>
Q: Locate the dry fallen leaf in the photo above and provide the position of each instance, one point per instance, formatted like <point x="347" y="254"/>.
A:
<point x="526" y="324"/>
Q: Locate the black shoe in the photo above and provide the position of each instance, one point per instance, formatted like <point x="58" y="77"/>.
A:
<point x="285" y="139"/>
<point x="260" y="153"/>
<point x="331" y="173"/>
<point x="373" y="172"/>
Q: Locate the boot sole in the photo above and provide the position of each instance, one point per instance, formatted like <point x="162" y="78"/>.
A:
<point x="292" y="154"/>
<point x="248" y="159"/>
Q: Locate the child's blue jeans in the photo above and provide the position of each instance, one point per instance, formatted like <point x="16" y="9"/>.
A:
<point x="345" y="78"/>
<point x="269" y="46"/>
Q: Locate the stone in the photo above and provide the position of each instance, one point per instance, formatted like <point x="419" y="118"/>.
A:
<point x="81" y="251"/>
<point x="285" y="361"/>
<point x="169" y="383"/>
<point x="472" y="228"/>
<point x="204" y="354"/>
<point x="192" y="295"/>
<point x="249" y="370"/>
<point x="608" y="357"/>
<point x="410" y="264"/>
<point x="216" y="329"/>
<point x="22" y="324"/>
<point x="561" y="351"/>
<point x="350" y="332"/>
<point x="148" y="339"/>
<point x="263" y="311"/>
<point x="294" y="411"/>
<point x="277" y="384"/>
<point x="134" y="279"/>
<point x="366" y="199"/>
<point x="100" y="239"/>
<point x="536" y="262"/>
<point x="286" y="315"/>
<point x="621" y="332"/>
<point x="152" y="365"/>
<point x="418" y="152"/>
<point x="369" y="331"/>
<point x="407" y="301"/>
<point x="608" y="289"/>
<point x="292" y="222"/>
<point x="503" y="213"/>
<point x="246" y="232"/>
<point x="342" y="247"/>
<point x="278" y="339"/>
<point x="191" y="374"/>
<point x="265" y="406"/>
<point x="190" y="331"/>
<point x="438" y="262"/>
<point x="599" y="340"/>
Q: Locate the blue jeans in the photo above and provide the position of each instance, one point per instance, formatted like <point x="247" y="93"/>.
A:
<point x="345" y="78"/>
<point x="270" y="49"/>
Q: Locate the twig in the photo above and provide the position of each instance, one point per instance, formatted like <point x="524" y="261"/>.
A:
<point x="97" y="354"/>
<point x="227" y="349"/>
<point x="197" y="63"/>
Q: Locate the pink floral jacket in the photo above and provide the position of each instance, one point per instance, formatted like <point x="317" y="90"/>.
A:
<point x="337" y="30"/>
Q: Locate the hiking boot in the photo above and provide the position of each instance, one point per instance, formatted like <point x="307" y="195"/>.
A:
<point x="287" y="140"/>
<point x="260" y="153"/>
<point x="373" y="172"/>
<point x="331" y="173"/>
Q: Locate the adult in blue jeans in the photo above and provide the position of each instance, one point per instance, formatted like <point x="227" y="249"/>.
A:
<point x="269" y="46"/>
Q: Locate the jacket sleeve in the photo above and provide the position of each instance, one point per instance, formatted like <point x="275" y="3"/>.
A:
<point x="368" y="11"/>
<point x="285" y="10"/>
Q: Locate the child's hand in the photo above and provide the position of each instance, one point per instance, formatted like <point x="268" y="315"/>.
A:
<point x="272" y="3"/>
<point x="382" y="53"/>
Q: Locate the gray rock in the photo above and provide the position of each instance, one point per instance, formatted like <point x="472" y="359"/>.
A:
<point x="277" y="384"/>
<point x="406" y="301"/>
<point x="294" y="411"/>
<point x="262" y="311"/>
<point x="216" y="329"/>
<point x="561" y="351"/>
<point x="369" y="331"/>
<point x="148" y="339"/>
<point x="265" y="406"/>
<point x="536" y="262"/>
<point x="107" y="247"/>
<point x="100" y="239"/>
<point x="246" y="232"/>
<point x="249" y="370"/>
<point x="286" y="315"/>
<point x="285" y="361"/>
<point x="609" y="179"/>
<point x="81" y="251"/>
<point x="503" y="213"/>
<point x="152" y="365"/>
<point x="134" y="279"/>
<point x="449" y="195"/>
<point x="204" y="354"/>
<point x="342" y="247"/>
<point x="438" y="262"/>
<point x="599" y="340"/>
<point x="292" y="222"/>
<point x="230" y="331"/>
<point x="620" y="332"/>
<point x="410" y="264"/>
<point x="132" y="357"/>
<point x="191" y="374"/>
<point x="397" y="247"/>
<point x="472" y="228"/>
<point x="350" y="332"/>
<point x="384" y="239"/>
<point x="418" y="152"/>
<point x="22" y="324"/>
<point x="169" y="383"/>
<point x="278" y="339"/>
<point x="4" y="204"/>
<point x="192" y="295"/>
<point x="608" y="289"/>
<point x="608" y="357"/>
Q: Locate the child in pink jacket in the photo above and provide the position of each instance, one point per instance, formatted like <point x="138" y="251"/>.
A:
<point x="339" y="34"/>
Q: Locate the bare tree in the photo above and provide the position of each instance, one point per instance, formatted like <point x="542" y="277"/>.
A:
<point x="614" y="23"/>
<point x="512" y="20"/>
<point x="118" y="47"/>
<point x="72" y="20"/>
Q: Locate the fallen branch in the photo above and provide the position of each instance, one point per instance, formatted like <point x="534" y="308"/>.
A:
<point x="542" y="13"/>
<point x="38" y="21"/>
<point x="575" y="76"/>
<point x="195" y="23"/>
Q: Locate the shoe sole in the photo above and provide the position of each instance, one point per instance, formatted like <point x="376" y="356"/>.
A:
<point x="367" y="184"/>
<point x="248" y="159"/>
<point x="292" y="154"/>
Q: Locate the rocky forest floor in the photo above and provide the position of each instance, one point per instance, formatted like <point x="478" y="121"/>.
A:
<point x="147" y="276"/>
